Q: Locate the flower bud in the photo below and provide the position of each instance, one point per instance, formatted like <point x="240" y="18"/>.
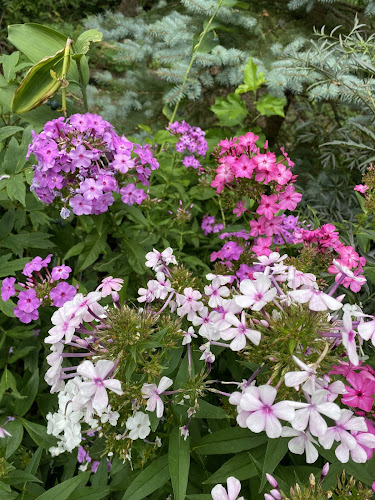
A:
<point x="272" y="481"/>
<point x="276" y="494"/>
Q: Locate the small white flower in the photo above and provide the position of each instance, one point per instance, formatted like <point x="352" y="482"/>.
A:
<point x="139" y="426"/>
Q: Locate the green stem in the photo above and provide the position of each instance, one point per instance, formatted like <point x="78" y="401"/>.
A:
<point x="222" y="211"/>
<point x="82" y="86"/>
<point x="64" y="72"/>
<point x="194" y="55"/>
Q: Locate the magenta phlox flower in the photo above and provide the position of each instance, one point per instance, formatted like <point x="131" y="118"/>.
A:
<point x="289" y="198"/>
<point x="7" y="288"/>
<point x="262" y="246"/>
<point x="152" y="393"/>
<point x="231" y="493"/>
<point x="61" y="272"/>
<point x="91" y="189"/>
<point x="25" y="317"/>
<point x="109" y="285"/>
<point x="240" y="209"/>
<point x="240" y="332"/>
<point x="361" y="188"/>
<point x="255" y="294"/>
<point x="123" y="163"/>
<point x="268" y="206"/>
<point x="360" y="392"/>
<point x="265" y="414"/>
<point x="96" y="389"/>
<point x="36" y="265"/>
<point x="63" y="292"/>
<point x="243" y="167"/>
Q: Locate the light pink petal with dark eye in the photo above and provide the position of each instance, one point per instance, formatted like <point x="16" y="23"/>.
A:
<point x="284" y="411"/>
<point x="100" y="400"/>
<point x="234" y="488"/>
<point x="219" y="493"/>
<point x="114" y="385"/>
<point x="301" y="419"/>
<point x="250" y="402"/>
<point x="238" y="343"/>
<point x="164" y="383"/>
<point x="318" y="426"/>
<point x="247" y="287"/>
<point x="267" y="394"/>
<point x="297" y="445"/>
<point x="243" y="301"/>
<point x="256" y="422"/>
<point x="103" y="368"/>
<point x="273" y="426"/>
<point x="87" y="369"/>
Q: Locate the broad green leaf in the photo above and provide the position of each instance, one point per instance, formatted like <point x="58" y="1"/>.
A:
<point x="239" y="466"/>
<point x="29" y="392"/>
<point x="8" y="381"/>
<point x="82" y="44"/>
<point x="136" y="255"/>
<point x="35" y="40"/>
<point x="6" y="132"/>
<point x="33" y="464"/>
<point x="252" y="80"/>
<point x="7" y="307"/>
<point x="9" y="268"/>
<point x="38" y="434"/>
<point x="65" y="489"/>
<point x="269" y="105"/>
<point x="100" y="478"/>
<point x="9" y="64"/>
<point x="18" y="242"/>
<point x="94" y="246"/>
<point x="88" y="493"/>
<point x="16" y="188"/>
<point x="275" y="452"/>
<point x="207" y="410"/>
<point x="207" y="44"/>
<point x="149" y="480"/>
<point x="229" y="440"/>
<point x="230" y="110"/>
<point x="39" y="84"/>
<point x="18" y="477"/>
<point x="75" y="250"/>
<point x="179" y="463"/>
<point x="15" y="428"/>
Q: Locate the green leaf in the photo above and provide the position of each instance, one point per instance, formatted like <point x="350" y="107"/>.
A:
<point x="179" y="463"/>
<point x="149" y="480"/>
<point x="35" y="40"/>
<point x="75" y="250"/>
<point x="239" y="466"/>
<point x="100" y="478"/>
<point x="16" y="188"/>
<point x="7" y="308"/>
<point x="33" y="465"/>
<point x="8" y="382"/>
<point x="94" y="246"/>
<point x="269" y="105"/>
<point x="40" y="83"/>
<point x="38" y="434"/>
<point x="18" y="242"/>
<point x="9" y="64"/>
<point x="15" y="428"/>
<point x="276" y="449"/>
<point x="64" y="490"/>
<point x="82" y="44"/>
<point x="230" y="110"/>
<point x="29" y="392"/>
<point x="19" y="476"/>
<point x="252" y="80"/>
<point x="6" y="132"/>
<point x="229" y="440"/>
<point x="88" y="493"/>
<point x="135" y="254"/>
<point x="207" y="410"/>
<point x="9" y="268"/>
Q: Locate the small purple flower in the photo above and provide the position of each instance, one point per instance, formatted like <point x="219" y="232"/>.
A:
<point x="129" y="194"/>
<point x="91" y="189"/>
<point x="26" y="317"/>
<point x="62" y="293"/>
<point x="80" y="205"/>
<point x="81" y="157"/>
<point x="7" y="288"/>
<point x="28" y="301"/>
<point x="61" y="272"/>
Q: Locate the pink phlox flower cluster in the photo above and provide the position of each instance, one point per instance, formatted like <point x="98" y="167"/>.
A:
<point x="230" y="251"/>
<point x="84" y="162"/>
<point x="30" y="297"/>
<point x="209" y="225"/>
<point x="361" y="188"/>
<point x="158" y="261"/>
<point x="110" y="286"/>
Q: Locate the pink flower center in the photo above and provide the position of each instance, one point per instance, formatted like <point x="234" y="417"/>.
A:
<point x="98" y="382"/>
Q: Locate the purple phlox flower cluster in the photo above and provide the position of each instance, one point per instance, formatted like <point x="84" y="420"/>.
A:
<point x="84" y="162"/>
<point x="209" y="225"/>
<point x="289" y="224"/>
<point x="191" y="140"/>
<point x="38" y="290"/>
<point x="222" y="315"/>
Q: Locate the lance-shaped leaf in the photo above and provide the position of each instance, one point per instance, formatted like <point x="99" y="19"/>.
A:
<point x="82" y="45"/>
<point x="40" y="83"/>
